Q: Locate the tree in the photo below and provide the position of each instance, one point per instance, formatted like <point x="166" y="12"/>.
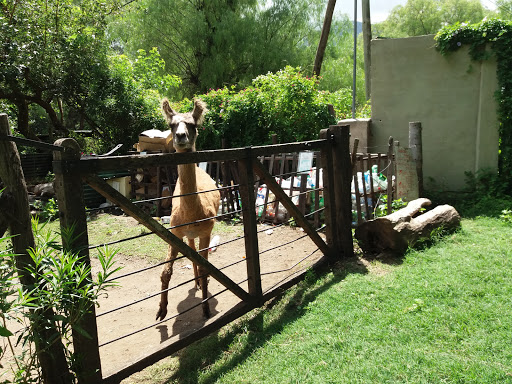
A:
<point x="58" y="70"/>
<point x="423" y="17"/>
<point x="222" y="42"/>
<point x="50" y="51"/>
<point x="504" y="9"/>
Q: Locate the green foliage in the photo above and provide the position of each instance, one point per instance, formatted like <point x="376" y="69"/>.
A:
<point x="286" y="103"/>
<point x="337" y="67"/>
<point x="506" y="216"/>
<point x="211" y="44"/>
<point x="48" y="210"/>
<point x="129" y="100"/>
<point x="423" y="17"/>
<point x="382" y="206"/>
<point x="485" y="194"/>
<point x="58" y="74"/>
<point x="496" y="35"/>
<point x="63" y="283"/>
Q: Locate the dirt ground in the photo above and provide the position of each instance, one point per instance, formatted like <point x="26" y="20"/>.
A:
<point x="141" y="316"/>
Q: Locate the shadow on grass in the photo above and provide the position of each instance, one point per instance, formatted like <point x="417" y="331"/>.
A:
<point x="252" y="332"/>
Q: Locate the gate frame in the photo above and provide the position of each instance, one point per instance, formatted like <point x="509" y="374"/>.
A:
<point x="70" y="170"/>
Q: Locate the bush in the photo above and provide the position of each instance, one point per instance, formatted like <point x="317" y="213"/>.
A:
<point x="285" y="103"/>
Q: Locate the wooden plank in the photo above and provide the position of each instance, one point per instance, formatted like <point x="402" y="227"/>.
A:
<point x="302" y="191"/>
<point x="357" y="195"/>
<point x="142" y="217"/>
<point x="52" y="359"/>
<point x="292" y="208"/>
<point x="317" y="192"/>
<point x="354" y="153"/>
<point x="281" y="171"/>
<point x="364" y="188"/>
<point x="328" y="182"/>
<point x="69" y="191"/>
<point x="372" y="193"/>
<point x="389" y="174"/>
<point x="112" y="163"/>
<point x="252" y="255"/>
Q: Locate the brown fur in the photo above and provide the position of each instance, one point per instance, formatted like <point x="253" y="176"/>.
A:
<point x="188" y="209"/>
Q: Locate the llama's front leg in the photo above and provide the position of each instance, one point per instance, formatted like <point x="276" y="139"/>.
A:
<point x="192" y="244"/>
<point x="165" y="277"/>
<point x="204" y="242"/>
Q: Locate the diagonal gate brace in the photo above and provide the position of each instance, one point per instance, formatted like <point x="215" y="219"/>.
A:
<point x="142" y="217"/>
<point x="290" y="206"/>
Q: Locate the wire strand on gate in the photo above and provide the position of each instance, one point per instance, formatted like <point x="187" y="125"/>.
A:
<point x="166" y="319"/>
<point x="166" y="197"/>
<point x="294" y="273"/>
<point x="163" y="291"/>
<point x="282" y="245"/>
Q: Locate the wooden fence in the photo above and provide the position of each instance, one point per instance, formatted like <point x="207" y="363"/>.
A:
<point x="373" y="179"/>
<point x="251" y="170"/>
<point x="333" y="151"/>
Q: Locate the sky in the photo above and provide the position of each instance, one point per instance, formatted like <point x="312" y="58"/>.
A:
<point x="379" y="9"/>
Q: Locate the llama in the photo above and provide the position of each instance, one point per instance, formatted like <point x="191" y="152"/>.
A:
<point x="192" y="206"/>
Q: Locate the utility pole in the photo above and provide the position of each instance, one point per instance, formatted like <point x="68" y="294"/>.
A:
<point x="367" y="37"/>
<point x="324" y="37"/>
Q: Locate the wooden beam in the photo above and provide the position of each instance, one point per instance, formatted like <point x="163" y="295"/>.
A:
<point x="69" y="191"/>
<point x="342" y="180"/>
<point x="113" y="163"/>
<point x="142" y="217"/>
<point x="50" y="355"/>
<point x="290" y="206"/>
<point x="250" y="228"/>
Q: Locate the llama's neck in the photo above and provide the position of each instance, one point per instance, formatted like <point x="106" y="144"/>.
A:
<point x="188" y="184"/>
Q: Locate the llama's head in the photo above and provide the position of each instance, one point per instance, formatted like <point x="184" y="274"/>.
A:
<point x="184" y="125"/>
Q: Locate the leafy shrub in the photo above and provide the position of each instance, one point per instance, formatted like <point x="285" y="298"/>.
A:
<point x="48" y="210"/>
<point x="63" y="283"/>
<point x="506" y="216"/>
<point x="285" y="103"/>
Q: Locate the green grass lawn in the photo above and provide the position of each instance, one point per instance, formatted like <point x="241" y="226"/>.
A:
<point x="438" y="315"/>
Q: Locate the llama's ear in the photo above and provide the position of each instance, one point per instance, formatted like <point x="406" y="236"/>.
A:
<point x="167" y="110"/>
<point x="199" y="111"/>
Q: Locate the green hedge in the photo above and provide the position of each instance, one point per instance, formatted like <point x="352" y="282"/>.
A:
<point x="286" y="103"/>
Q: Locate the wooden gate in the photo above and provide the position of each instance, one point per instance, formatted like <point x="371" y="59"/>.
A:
<point x="70" y="171"/>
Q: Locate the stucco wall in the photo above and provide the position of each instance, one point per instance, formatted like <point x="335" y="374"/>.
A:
<point x="451" y="96"/>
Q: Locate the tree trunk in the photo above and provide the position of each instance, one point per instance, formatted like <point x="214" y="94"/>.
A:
<point x="396" y="232"/>
<point x="324" y="38"/>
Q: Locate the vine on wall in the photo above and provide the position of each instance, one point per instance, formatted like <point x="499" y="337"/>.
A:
<point x="498" y="34"/>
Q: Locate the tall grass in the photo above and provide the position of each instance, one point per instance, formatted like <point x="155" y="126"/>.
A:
<point x="439" y="315"/>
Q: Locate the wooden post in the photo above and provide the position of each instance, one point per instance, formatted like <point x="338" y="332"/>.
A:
<point x="389" y="174"/>
<point x="329" y="202"/>
<point x="68" y="187"/>
<point x="354" y="153"/>
<point x="342" y="181"/>
<point x="252" y="256"/>
<point x="415" y="143"/>
<point x="367" y="37"/>
<point x="50" y="354"/>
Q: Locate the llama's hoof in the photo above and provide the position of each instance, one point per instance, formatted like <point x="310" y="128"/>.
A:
<point x="160" y="315"/>
<point x="206" y="311"/>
